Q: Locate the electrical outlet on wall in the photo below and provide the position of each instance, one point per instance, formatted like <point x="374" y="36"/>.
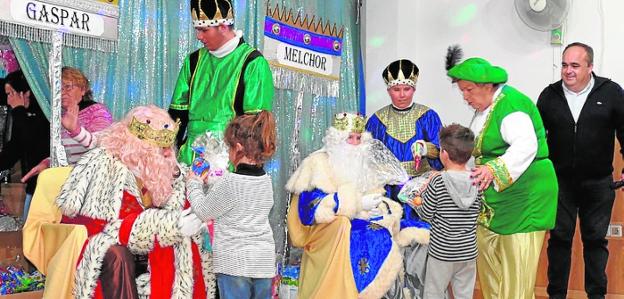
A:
<point x="615" y="231"/>
<point x="556" y="36"/>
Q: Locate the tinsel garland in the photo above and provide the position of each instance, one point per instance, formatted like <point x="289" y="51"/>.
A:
<point x="57" y="151"/>
<point x="284" y="78"/>
<point x="46" y="36"/>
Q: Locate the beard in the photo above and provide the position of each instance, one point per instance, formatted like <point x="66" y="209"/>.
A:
<point x="156" y="171"/>
<point x="348" y="163"/>
<point x="155" y="167"/>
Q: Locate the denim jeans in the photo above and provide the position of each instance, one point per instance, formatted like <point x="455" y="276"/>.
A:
<point x="27" y="201"/>
<point x="238" y="287"/>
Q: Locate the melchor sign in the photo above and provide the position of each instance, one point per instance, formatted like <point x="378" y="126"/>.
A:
<point x="304" y="59"/>
<point x="302" y="44"/>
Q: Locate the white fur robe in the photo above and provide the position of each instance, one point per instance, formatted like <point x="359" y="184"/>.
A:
<point x="95" y="189"/>
<point x="316" y="172"/>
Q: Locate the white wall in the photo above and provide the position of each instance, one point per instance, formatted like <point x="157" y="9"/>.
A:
<point x="421" y="30"/>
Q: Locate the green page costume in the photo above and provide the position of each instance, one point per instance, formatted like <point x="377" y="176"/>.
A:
<point x="219" y="89"/>
<point x="530" y="203"/>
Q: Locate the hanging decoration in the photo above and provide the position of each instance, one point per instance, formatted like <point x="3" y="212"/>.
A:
<point x="85" y="24"/>
<point x="58" y="156"/>
<point x="304" y="53"/>
<point x="8" y="61"/>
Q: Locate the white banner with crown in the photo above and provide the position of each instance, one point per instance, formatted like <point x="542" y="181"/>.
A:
<point x="304" y="53"/>
<point x="84" y="24"/>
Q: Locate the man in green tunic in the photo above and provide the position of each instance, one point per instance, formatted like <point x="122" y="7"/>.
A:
<point x="225" y="78"/>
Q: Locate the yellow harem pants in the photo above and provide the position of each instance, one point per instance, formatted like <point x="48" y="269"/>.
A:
<point x="507" y="264"/>
<point x="52" y="247"/>
<point x="326" y="266"/>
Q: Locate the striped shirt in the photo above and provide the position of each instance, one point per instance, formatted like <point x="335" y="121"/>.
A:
<point x="243" y="239"/>
<point x="453" y="229"/>
<point x="92" y="119"/>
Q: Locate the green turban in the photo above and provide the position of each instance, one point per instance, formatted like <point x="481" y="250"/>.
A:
<point x="478" y="70"/>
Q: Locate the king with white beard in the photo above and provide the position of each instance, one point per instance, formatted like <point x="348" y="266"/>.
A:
<point x="339" y="216"/>
<point x="346" y="160"/>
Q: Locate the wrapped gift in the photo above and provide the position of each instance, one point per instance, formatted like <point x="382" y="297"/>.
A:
<point x="411" y="192"/>
<point x="211" y="156"/>
<point x="200" y="166"/>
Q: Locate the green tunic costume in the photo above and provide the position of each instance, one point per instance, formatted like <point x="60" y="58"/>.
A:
<point x="211" y="91"/>
<point x="530" y="203"/>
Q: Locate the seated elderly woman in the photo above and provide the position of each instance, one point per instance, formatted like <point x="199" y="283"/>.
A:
<point x="516" y="176"/>
<point x="81" y="117"/>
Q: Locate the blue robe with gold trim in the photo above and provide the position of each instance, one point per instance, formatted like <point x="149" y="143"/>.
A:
<point x="398" y="130"/>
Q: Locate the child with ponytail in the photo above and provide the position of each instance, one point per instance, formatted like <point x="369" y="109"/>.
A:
<point x="239" y="203"/>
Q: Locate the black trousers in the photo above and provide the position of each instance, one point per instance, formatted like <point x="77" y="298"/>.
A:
<point x="592" y="200"/>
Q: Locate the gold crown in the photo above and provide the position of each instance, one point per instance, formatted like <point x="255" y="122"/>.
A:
<point x="352" y="122"/>
<point x="162" y="138"/>
<point x="286" y="16"/>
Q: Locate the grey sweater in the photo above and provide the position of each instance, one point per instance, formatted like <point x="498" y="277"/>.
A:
<point x="451" y="204"/>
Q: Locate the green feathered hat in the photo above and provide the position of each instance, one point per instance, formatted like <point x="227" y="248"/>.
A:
<point x="478" y="70"/>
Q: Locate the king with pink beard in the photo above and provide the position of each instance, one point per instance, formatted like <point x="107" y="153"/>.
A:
<point x="129" y="194"/>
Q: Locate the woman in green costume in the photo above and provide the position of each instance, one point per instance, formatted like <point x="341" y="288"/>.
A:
<point x="516" y="176"/>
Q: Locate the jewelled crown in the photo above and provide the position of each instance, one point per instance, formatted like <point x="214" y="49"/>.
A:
<point x="401" y="71"/>
<point x="161" y="138"/>
<point x="208" y="13"/>
<point x="352" y="122"/>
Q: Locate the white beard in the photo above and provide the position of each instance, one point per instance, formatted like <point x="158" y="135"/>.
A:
<point x="348" y="163"/>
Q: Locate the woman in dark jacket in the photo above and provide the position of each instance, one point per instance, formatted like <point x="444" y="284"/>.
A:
<point x="30" y="131"/>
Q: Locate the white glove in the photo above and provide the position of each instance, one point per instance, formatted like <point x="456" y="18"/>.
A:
<point x="189" y="224"/>
<point x="375" y="212"/>
<point x="186" y="212"/>
<point x="370" y="201"/>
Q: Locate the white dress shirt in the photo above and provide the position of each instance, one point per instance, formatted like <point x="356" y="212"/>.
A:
<point x="576" y="100"/>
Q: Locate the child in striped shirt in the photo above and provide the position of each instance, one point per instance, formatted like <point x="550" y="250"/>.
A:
<point x="451" y="203"/>
<point x="239" y="203"/>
